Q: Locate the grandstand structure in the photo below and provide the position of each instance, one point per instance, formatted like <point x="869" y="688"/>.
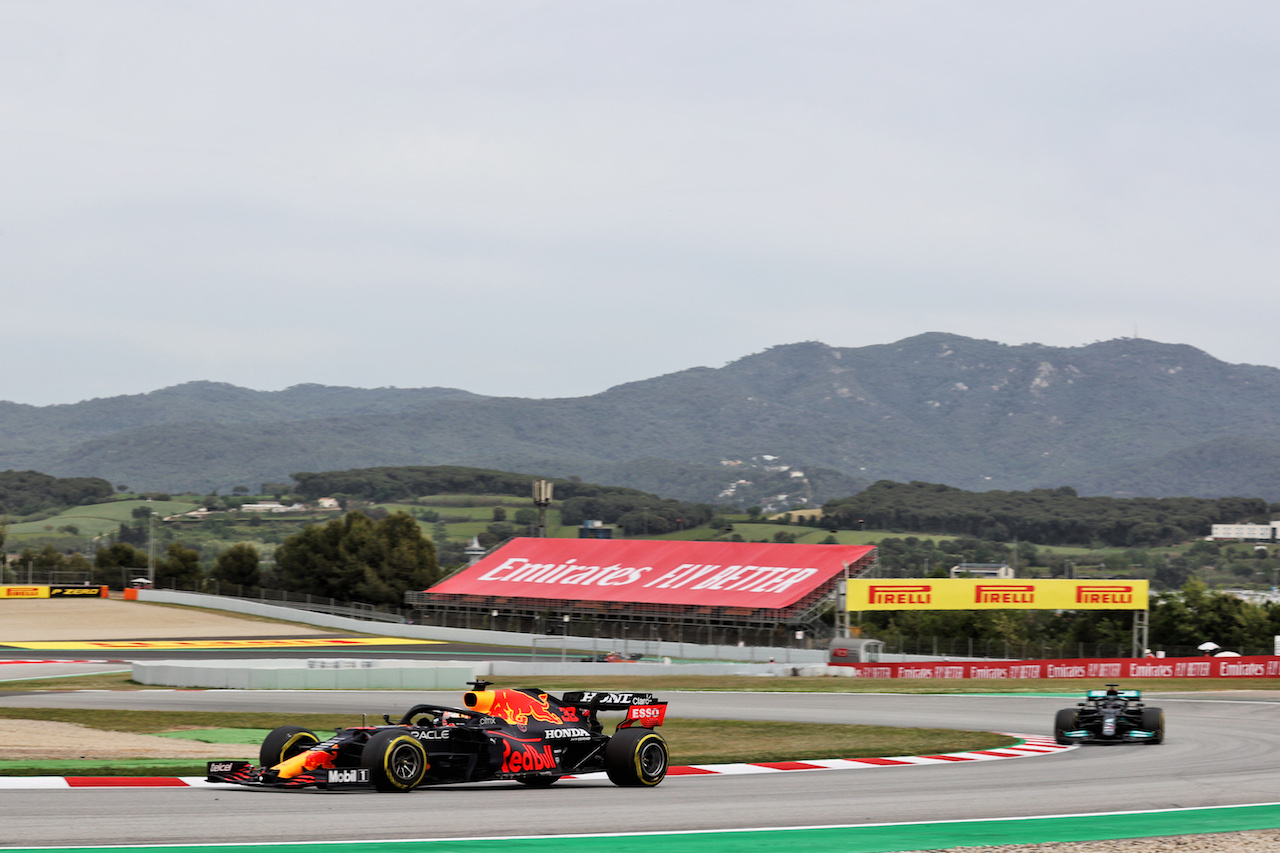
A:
<point x="715" y="593"/>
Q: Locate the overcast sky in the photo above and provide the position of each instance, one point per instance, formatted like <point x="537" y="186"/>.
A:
<point x="546" y="199"/>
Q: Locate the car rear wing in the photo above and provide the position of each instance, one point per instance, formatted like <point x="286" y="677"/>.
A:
<point x="596" y="700"/>
<point x="1122" y="694"/>
<point x="643" y="709"/>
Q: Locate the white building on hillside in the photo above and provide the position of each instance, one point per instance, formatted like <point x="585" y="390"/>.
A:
<point x="996" y="571"/>
<point x="271" y="506"/>
<point x="1247" y="532"/>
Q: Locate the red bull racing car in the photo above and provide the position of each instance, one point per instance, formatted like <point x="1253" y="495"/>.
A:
<point x="521" y="734"/>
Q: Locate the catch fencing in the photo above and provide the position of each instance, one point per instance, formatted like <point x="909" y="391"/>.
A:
<point x="914" y="646"/>
<point x="1260" y="666"/>
<point x="296" y="600"/>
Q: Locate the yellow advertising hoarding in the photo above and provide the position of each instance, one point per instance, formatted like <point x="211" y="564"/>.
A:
<point x="976" y="594"/>
<point x="24" y="591"/>
<point x="15" y="590"/>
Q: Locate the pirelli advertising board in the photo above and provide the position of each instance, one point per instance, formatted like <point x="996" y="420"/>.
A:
<point x="43" y="591"/>
<point x="975" y="594"/>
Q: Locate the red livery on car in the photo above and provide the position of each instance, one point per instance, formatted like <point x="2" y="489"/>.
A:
<point x="526" y="735"/>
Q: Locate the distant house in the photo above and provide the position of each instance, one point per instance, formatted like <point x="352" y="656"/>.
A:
<point x="1247" y="532"/>
<point x="592" y="529"/>
<point x="271" y="506"/>
<point x="997" y="571"/>
<point x="328" y="503"/>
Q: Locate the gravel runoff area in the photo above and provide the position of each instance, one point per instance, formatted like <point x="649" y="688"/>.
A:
<point x="29" y="740"/>
<point x="84" y="619"/>
<point x="1253" y="841"/>
<point x="111" y="619"/>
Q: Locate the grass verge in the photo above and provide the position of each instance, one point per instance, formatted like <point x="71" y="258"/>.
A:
<point x="150" y="722"/>
<point x="691" y="741"/>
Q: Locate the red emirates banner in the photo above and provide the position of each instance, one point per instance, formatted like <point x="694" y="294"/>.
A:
<point x="712" y="574"/>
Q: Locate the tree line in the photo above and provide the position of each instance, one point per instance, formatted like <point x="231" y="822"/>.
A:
<point x="1044" y="516"/>
<point x="352" y="558"/>
<point x="379" y="485"/>
<point x="30" y="492"/>
<point x="637" y="513"/>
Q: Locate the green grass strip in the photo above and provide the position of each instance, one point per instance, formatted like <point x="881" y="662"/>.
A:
<point x="888" y="838"/>
<point x="104" y="767"/>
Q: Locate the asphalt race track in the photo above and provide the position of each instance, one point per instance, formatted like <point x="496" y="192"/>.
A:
<point x="1222" y="749"/>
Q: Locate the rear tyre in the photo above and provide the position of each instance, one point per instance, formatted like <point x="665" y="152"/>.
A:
<point x="1065" y="721"/>
<point x="636" y="758"/>
<point x="1153" y="721"/>
<point x="396" y="761"/>
<point x="284" y="743"/>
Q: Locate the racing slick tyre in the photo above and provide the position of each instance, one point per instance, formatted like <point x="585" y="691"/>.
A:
<point x="538" y="781"/>
<point x="284" y="743"/>
<point x="1153" y="721"/>
<point x="1065" y="721"/>
<point x="636" y="757"/>
<point x="396" y="761"/>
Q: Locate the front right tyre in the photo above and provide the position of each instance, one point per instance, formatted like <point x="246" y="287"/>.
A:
<point x="284" y="743"/>
<point x="1064" y="721"/>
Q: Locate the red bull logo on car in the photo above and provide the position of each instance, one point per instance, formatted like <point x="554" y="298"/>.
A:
<point x="512" y="705"/>
<point x="315" y="758"/>
<point x="524" y="757"/>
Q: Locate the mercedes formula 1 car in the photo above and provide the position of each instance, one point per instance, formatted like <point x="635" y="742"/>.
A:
<point x="1109" y="716"/>
<point x="508" y="733"/>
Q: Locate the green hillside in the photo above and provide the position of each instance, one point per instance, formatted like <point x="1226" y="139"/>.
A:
<point x="920" y="528"/>
<point x="95" y="520"/>
<point x="801" y="423"/>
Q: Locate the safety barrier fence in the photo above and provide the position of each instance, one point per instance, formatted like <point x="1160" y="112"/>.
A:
<point x="1256" y="666"/>
<point x="655" y="628"/>
<point x="973" y="647"/>
<point x="296" y="600"/>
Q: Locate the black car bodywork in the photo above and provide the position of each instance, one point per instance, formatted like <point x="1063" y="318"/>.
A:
<point x="1110" y="716"/>
<point x="524" y="735"/>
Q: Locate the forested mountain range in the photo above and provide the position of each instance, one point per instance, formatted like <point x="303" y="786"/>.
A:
<point x="806" y="421"/>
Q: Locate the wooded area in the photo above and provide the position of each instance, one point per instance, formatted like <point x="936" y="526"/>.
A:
<point x="29" y="492"/>
<point x="379" y="485"/>
<point x="1043" y="516"/>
